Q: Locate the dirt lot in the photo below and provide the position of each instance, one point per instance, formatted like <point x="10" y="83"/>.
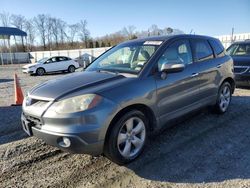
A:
<point x="205" y="151"/>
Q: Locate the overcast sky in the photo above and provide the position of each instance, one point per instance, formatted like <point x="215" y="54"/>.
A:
<point x="214" y="17"/>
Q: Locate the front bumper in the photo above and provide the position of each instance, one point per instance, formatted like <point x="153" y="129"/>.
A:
<point x="28" y="71"/>
<point x="77" y="144"/>
<point x="85" y="131"/>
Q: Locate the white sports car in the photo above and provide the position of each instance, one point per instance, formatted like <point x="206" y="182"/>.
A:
<point x="52" y="64"/>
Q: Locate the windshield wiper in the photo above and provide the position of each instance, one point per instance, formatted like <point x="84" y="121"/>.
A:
<point x="115" y="72"/>
<point x="108" y="71"/>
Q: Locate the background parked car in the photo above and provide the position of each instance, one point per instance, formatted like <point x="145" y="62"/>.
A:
<point x="240" y="52"/>
<point x="52" y="64"/>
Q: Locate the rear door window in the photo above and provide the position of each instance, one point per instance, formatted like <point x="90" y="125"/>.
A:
<point x="62" y="59"/>
<point x="202" y="50"/>
<point x="54" y="59"/>
<point x="218" y="48"/>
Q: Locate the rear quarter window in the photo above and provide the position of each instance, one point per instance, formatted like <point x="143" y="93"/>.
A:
<point x="218" y="48"/>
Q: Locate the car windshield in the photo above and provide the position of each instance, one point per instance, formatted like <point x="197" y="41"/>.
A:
<point x="239" y="50"/>
<point x="42" y="60"/>
<point x="125" y="58"/>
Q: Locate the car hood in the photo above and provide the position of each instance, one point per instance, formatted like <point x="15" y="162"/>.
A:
<point x="241" y="60"/>
<point x="29" y="65"/>
<point x="60" y="87"/>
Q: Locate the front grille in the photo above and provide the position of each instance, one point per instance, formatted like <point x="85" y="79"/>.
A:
<point x="34" y="121"/>
<point x="36" y="107"/>
<point x="240" y="69"/>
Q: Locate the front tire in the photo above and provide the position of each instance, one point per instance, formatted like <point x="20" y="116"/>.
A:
<point x="224" y="98"/>
<point x="40" y="71"/>
<point x="127" y="137"/>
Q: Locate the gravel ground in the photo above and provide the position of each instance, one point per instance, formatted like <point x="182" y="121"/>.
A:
<point x="204" y="151"/>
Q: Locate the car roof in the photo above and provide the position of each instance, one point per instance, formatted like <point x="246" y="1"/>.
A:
<point x="242" y="42"/>
<point x="168" y="37"/>
<point x="58" y="56"/>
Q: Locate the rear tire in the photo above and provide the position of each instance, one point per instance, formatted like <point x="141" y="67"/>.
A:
<point x="223" y="99"/>
<point x="127" y="138"/>
<point x="71" y="69"/>
<point x="40" y="71"/>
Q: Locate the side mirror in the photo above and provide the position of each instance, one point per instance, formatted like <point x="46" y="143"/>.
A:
<point x="171" y="68"/>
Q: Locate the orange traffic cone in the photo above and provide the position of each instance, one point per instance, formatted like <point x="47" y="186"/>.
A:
<point x="18" y="92"/>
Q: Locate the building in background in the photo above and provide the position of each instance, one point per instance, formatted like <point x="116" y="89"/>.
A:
<point x="226" y="40"/>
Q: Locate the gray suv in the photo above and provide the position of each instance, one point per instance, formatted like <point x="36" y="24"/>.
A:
<point x="129" y="92"/>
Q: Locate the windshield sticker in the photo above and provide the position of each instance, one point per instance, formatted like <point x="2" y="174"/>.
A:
<point x="153" y="42"/>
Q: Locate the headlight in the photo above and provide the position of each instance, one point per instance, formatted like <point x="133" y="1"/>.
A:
<point x="76" y="104"/>
<point x="33" y="66"/>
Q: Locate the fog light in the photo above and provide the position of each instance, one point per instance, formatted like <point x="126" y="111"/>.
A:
<point x="65" y="142"/>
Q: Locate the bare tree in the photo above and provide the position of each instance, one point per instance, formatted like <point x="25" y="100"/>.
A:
<point x="129" y="31"/>
<point x="5" y="19"/>
<point x="62" y="25"/>
<point x="73" y="30"/>
<point x="113" y="38"/>
<point x="30" y="29"/>
<point x="56" y="30"/>
<point x="49" y="31"/>
<point x="177" y="31"/>
<point x="40" y="22"/>
<point x="18" y="21"/>
<point x="154" y="30"/>
<point x="84" y="32"/>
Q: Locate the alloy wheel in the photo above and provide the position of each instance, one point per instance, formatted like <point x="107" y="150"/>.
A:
<point x="131" y="137"/>
<point x="225" y="98"/>
<point x="40" y="72"/>
<point x="71" y="69"/>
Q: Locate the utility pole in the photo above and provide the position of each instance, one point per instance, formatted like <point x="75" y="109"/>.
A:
<point x="232" y="39"/>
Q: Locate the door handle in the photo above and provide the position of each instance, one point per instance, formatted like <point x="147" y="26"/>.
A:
<point x="218" y="66"/>
<point x="194" y="74"/>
